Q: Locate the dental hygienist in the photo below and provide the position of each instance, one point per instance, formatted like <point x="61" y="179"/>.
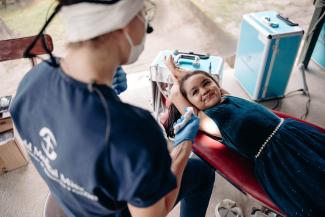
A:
<point x="98" y="155"/>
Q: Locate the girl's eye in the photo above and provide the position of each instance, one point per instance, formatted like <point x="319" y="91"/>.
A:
<point x="206" y="82"/>
<point x="194" y="92"/>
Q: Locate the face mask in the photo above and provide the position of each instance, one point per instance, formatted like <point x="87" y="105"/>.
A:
<point x="136" y="50"/>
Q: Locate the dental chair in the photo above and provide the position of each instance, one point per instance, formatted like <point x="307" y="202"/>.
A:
<point x="236" y="169"/>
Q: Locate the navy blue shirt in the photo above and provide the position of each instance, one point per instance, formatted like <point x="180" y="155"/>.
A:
<point x="62" y="124"/>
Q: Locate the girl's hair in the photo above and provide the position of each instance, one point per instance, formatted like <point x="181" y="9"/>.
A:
<point x="173" y="113"/>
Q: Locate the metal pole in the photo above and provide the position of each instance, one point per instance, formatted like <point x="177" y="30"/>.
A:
<point x="313" y="32"/>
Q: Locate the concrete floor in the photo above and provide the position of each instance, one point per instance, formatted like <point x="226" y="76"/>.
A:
<point x="22" y="192"/>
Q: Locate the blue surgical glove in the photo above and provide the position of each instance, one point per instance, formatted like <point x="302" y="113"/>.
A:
<point x="188" y="131"/>
<point x="119" y="83"/>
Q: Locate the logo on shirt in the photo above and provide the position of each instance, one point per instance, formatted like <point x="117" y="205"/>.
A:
<point x="43" y="157"/>
<point x="48" y="143"/>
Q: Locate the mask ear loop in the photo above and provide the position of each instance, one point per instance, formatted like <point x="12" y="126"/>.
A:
<point x="40" y="35"/>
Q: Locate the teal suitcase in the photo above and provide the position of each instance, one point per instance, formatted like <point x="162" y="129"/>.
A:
<point x="266" y="52"/>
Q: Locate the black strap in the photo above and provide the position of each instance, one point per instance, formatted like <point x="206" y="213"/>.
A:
<point x="28" y="53"/>
<point x="72" y="2"/>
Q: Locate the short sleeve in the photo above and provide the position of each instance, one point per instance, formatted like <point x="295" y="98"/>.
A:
<point x="142" y="164"/>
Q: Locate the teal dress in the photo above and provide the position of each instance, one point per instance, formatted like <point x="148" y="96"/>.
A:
<point x="291" y="167"/>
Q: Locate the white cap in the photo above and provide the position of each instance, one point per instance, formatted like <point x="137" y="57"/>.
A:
<point x="84" y="21"/>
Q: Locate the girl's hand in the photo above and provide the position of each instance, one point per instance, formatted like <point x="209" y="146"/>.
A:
<point x="169" y="62"/>
<point x="176" y="72"/>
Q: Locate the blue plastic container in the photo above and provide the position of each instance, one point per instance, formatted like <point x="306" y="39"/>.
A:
<point x="266" y="53"/>
<point x="318" y="55"/>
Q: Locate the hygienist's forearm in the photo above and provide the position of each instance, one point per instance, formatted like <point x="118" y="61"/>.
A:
<point x="179" y="156"/>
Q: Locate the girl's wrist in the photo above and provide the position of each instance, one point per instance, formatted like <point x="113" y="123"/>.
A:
<point x="175" y="69"/>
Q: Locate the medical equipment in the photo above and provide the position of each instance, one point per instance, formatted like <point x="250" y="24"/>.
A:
<point x="265" y="55"/>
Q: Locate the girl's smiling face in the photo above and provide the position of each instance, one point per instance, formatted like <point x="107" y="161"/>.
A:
<point x="202" y="91"/>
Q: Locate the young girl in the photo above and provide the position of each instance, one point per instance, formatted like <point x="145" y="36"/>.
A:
<point x="289" y="156"/>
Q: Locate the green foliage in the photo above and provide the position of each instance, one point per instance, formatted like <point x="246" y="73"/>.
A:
<point x="27" y="19"/>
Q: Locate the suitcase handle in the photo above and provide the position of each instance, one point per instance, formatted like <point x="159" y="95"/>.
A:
<point x="202" y="56"/>
<point x="270" y="23"/>
<point x="188" y="59"/>
<point x="286" y="20"/>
